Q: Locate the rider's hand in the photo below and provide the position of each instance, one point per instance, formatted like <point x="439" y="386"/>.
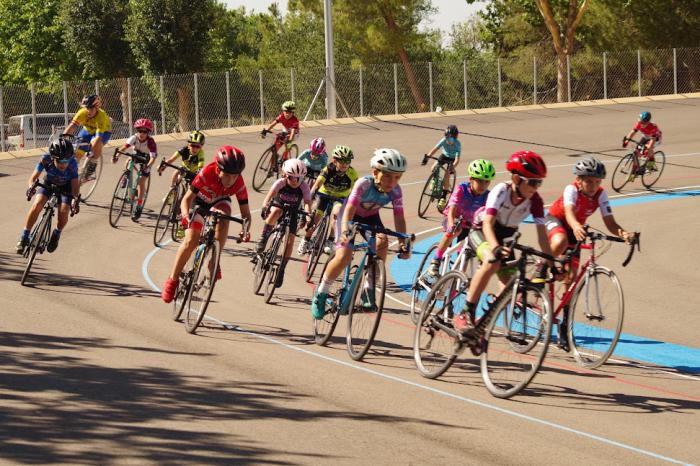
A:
<point x="501" y="252"/>
<point x="626" y="235"/>
<point x="425" y="160"/>
<point x="263" y="212"/>
<point x="580" y="233"/>
<point x="345" y="237"/>
<point x="405" y="252"/>
<point x="263" y="133"/>
<point x="185" y="222"/>
<point x="75" y="206"/>
<point x="31" y="192"/>
<point x="244" y="236"/>
<point x="624" y="142"/>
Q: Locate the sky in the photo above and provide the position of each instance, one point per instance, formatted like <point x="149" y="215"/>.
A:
<point x="449" y="11"/>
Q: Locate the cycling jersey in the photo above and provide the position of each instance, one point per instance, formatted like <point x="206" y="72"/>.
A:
<point x="98" y="124"/>
<point x="650" y="131"/>
<point x="466" y="203"/>
<point x="500" y="205"/>
<point x="283" y="193"/>
<point x="451" y="147"/>
<point x="54" y="175"/>
<point x="289" y="123"/>
<point x="584" y="206"/>
<point x="209" y="188"/>
<point x="146" y="147"/>
<point x="367" y="199"/>
<point x="191" y="162"/>
<point x="336" y="183"/>
<point x="311" y="164"/>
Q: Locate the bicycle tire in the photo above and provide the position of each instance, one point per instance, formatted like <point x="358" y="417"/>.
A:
<point x="317" y="243"/>
<point x="275" y="263"/>
<point x="453" y="179"/>
<point x="660" y="163"/>
<point x="426" y="196"/>
<point x="262" y="174"/>
<point x="37" y="239"/>
<point x="183" y="289"/>
<point x="163" y="221"/>
<point x="323" y="328"/>
<point x="175" y="218"/>
<point x="624" y="172"/>
<point x="147" y="189"/>
<point x="592" y="342"/>
<point x="422" y="283"/>
<point x="505" y="371"/>
<point x="91" y="184"/>
<point x="434" y="344"/>
<point x="202" y="286"/>
<point x="363" y="323"/>
<point x="119" y="198"/>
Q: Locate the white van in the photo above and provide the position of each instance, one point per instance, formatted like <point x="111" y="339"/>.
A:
<point x="20" y="131"/>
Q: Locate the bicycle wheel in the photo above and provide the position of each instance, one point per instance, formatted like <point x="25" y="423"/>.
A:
<point x="595" y="317"/>
<point x="426" y="196"/>
<point x="147" y="189"/>
<point x="422" y="283"/>
<point x="88" y="184"/>
<point x="183" y="288"/>
<point x="264" y="169"/>
<point x="434" y="338"/>
<point x="37" y="242"/>
<point x="317" y="242"/>
<point x="505" y="365"/>
<point x="275" y="262"/>
<point x="624" y="172"/>
<point x="293" y="152"/>
<point x="324" y="328"/>
<point x="453" y="178"/>
<point x="164" y="216"/>
<point x="652" y="174"/>
<point x="203" y="282"/>
<point x="119" y="198"/>
<point x="366" y="308"/>
<point x="175" y="218"/>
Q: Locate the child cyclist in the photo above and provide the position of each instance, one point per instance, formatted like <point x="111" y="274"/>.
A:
<point x="367" y="197"/>
<point x="211" y="190"/>
<point x="507" y="205"/>
<point x="286" y="193"/>
<point x="315" y="157"/>
<point x="568" y="214"/>
<point x="451" y="151"/>
<point x="288" y="120"/>
<point x="652" y="137"/>
<point x="143" y="145"/>
<point x="62" y="174"/>
<point x="192" y="157"/>
<point x="336" y="180"/>
<point x="465" y="200"/>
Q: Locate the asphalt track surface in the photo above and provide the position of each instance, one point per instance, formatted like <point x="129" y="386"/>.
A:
<point x="93" y="369"/>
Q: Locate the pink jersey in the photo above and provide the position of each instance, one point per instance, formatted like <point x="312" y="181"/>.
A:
<point x="584" y="206"/>
<point x="285" y="194"/>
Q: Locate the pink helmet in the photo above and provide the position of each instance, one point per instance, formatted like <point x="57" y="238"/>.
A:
<point x="144" y="123"/>
<point x="318" y="146"/>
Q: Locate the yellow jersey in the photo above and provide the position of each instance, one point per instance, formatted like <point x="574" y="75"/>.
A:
<point x="100" y="123"/>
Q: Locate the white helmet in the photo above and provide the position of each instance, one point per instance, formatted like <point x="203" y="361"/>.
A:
<point x="294" y="167"/>
<point x="388" y="160"/>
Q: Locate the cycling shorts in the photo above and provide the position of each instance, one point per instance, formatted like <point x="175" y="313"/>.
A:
<point x="443" y="160"/>
<point x="64" y="192"/>
<point x="323" y="204"/>
<point x="196" y="217"/>
<point x="85" y="137"/>
<point x="478" y="243"/>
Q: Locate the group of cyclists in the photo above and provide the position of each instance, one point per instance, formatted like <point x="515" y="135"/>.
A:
<point x="484" y="217"/>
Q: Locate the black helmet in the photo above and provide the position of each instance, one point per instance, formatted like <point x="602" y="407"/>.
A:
<point x="590" y="167"/>
<point x="61" y="149"/>
<point x="90" y="101"/>
<point x="451" y="131"/>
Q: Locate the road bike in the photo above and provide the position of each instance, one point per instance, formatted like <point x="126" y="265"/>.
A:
<point x="169" y="216"/>
<point x="125" y="193"/>
<point x="321" y="235"/>
<point x="270" y="163"/>
<point x="432" y="190"/>
<point x="637" y="163"/>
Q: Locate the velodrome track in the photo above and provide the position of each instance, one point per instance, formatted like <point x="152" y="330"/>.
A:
<point x="93" y="369"/>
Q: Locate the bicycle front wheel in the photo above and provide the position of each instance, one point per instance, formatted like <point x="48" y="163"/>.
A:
<point x="37" y="242"/>
<point x="264" y="169"/>
<point x="183" y="288"/>
<point x="595" y="317"/>
<point x="164" y="217"/>
<point x="324" y="328"/>
<point x="203" y="282"/>
<point x="89" y="183"/>
<point x="317" y="243"/>
<point x="275" y="261"/>
<point x="426" y="196"/>
<point x="514" y="353"/>
<point x="624" y="172"/>
<point x="653" y="170"/>
<point x="119" y="198"/>
<point x="366" y="308"/>
<point x="422" y="283"/>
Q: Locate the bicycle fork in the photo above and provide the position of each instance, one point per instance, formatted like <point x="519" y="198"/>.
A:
<point x="592" y="281"/>
<point x="347" y="295"/>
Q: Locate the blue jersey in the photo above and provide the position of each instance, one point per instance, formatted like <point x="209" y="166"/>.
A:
<point x="311" y="164"/>
<point x="54" y="175"/>
<point x="451" y="147"/>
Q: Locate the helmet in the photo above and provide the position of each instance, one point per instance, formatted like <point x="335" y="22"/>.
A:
<point x="196" y="137"/>
<point x="527" y="164"/>
<point x="289" y="106"/>
<point x="294" y="167"/>
<point x="318" y="146"/>
<point x="90" y="101"/>
<point x="61" y="149"/>
<point x="590" y="166"/>
<point x="481" y="169"/>
<point x="144" y="123"/>
<point x="645" y="117"/>
<point x="343" y="154"/>
<point x="230" y="160"/>
<point x="452" y="131"/>
<point x="388" y="160"/>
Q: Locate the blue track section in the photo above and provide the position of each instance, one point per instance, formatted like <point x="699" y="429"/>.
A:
<point x="643" y="349"/>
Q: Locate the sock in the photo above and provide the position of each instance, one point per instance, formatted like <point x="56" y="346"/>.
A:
<point x="471" y="309"/>
<point x="266" y="230"/>
<point x="139" y="202"/>
<point x="439" y="254"/>
<point x="25" y="233"/>
<point x="57" y="232"/>
<point x="324" y="286"/>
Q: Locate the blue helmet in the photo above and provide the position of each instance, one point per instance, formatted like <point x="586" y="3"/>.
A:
<point x="645" y="117"/>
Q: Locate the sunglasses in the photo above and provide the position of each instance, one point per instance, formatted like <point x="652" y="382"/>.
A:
<point x="534" y="182"/>
<point x="62" y="161"/>
<point x="196" y="146"/>
<point x="294" y="178"/>
<point x="142" y="131"/>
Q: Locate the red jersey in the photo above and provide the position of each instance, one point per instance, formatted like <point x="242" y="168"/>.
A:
<point x="584" y="206"/>
<point x="209" y="188"/>
<point x="288" y="123"/>
<point x="651" y="130"/>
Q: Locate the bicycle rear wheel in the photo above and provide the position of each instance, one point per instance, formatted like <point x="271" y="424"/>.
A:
<point x="595" y="318"/>
<point x="88" y="184"/>
<point x="366" y="308"/>
<point x="203" y="282"/>
<point x="434" y="337"/>
<point x="652" y="174"/>
<point x="317" y="242"/>
<point x="37" y="242"/>
<point x="453" y="179"/>
<point x="422" y="283"/>
<point x="324" y="328"/>
<point x="183" y="289"/>
<point x="624" y="172"/>
<point x="264" y="169"/>
<point x="164" y="216"/>
<point x="175" y="218"/>
<point x="506" y="366"/>
<point x="119" y="198"/>
<point x="426" y="196"/>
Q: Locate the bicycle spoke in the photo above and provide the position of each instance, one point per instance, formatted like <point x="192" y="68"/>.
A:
<point x="203" y="282"/>
<point x="366" y="309"/>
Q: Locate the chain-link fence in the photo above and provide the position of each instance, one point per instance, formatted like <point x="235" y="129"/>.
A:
<point x="246" y="97"/>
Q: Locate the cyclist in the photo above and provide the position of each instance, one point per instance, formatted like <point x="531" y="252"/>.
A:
<point x="315" y="157"/>
<point x="62" y="174"/>
<point x="336" y="180"/>
<point x="288" y="120"/>
<point x="288" y="192"/>
<point x="144" y="146"/>
<point x="451" y="150"/>
<point x="568" y="214"/>
<point x="465" y="200"/>
<point x="651" y="138"/>
<point x="367" y="197"/>
<point x="96" y="132"/>
<point x="192" y="157"/>
<point x="211" y="190"/>
<point x="507" y="205"/>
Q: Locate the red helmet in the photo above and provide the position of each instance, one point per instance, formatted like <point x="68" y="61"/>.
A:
<point x="230" y="160"/>
<point x="144" y="123"/>
<point x="527" y="164"/>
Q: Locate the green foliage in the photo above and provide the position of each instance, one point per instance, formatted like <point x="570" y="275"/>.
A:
<point x="233" y="38"/>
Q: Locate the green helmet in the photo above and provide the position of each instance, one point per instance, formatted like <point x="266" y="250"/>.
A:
<point x="342" y="154"/>
<point x="481" y="169"/>
<point x="196" y="137"/>
<point x="289" y="106"/>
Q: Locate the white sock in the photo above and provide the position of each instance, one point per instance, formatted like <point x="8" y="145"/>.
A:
<point x="324" y="286"/>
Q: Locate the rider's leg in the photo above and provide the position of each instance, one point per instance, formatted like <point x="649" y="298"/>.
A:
<point x="39" y="201"/>
<point x="184" y="252"/>
<point x="270" y="221"/>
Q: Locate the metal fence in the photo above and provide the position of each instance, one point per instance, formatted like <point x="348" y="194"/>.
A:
<point x="246" y="97"/>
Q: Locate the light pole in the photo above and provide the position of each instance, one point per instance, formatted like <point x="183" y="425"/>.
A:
<point x="330" y="67"/>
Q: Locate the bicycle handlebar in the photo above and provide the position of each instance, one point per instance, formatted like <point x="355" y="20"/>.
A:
<point x="597" y="236"/>
<point x="137" y="156"/>
<point x="164" y="164"/>
<point x="512" y="243"/>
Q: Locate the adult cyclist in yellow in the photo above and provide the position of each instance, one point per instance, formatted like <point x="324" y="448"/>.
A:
<point x="97" y="129"/>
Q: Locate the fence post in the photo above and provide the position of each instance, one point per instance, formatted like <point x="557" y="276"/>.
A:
<point x="396" y="90"/>
<point x="639" y="73"/>
<point x="291" y="74"/>
<point x="262" y="103"/>
<point x="464" y="73"/>
<point x="2" y="124"/>
<point x="362" y="100"/>
<point x="500" y="95"/>
<point x="605" y="75"/>
<point x="568" y="77"/>
<point x="196" y="102"/>
<point x="430" y="79"/>
<point x="128" y="98"/>
<point x="228" y="99"/>
<point x="534" y="79"/>
<point x="97" y="86"/>
<point x="675" y="73"/>
<point x="65" y="104"/>
<point x="34" y="115"/>
<point x="162" y="105"/>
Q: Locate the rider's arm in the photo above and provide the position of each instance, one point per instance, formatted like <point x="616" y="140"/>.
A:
<point x="271" y="125"/>
<point x="615" y="228"/>
<point x="436" y="148"/>
<point x="173" y="157"/>
<point x="489" y="230"/>
<point x="542" y="238"/>
<point x="400" y="225"/>
<point x="245" y="213"/>
<point x="186" y="203"/>
<point x="348" y="215"/>
<point x="33" y="177"/>
<point x="451" y="211"/>
<point x="75" y="187"/>
<point x="318" y="183"/>
<point x="576" y="227"/>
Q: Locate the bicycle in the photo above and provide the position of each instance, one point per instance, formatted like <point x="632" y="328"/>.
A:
<point x="125" y="190"/>
<point x="432" y="190"/>
<point x="362" y="304"/>
<point x="41" y="233"/>
<point x="637" y="163"/>
<point x="320" y="235"/>
<point x="270" y="162"/>
<point x="511" y="338"/>
<point x="169" y="215"/>
<point x="198" y="278"/>
<point x="88" y="181"/>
